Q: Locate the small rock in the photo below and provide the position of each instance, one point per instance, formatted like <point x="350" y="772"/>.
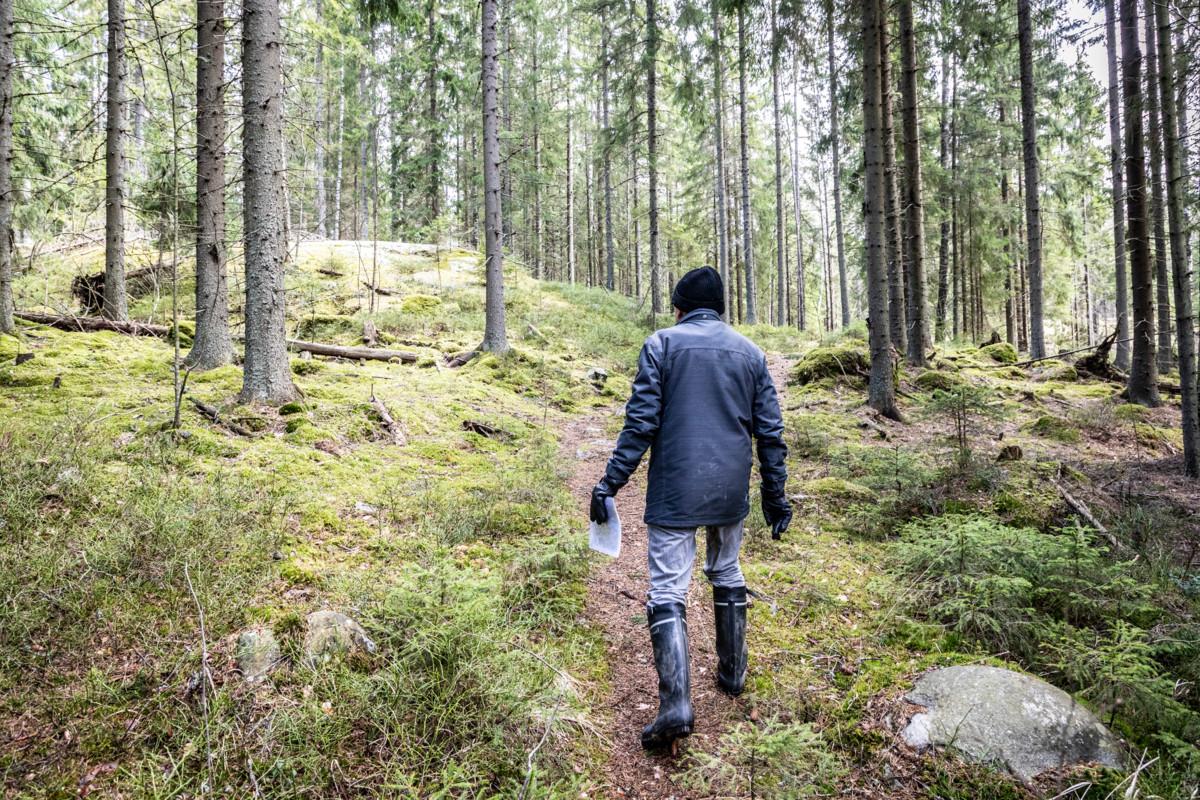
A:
<point x="365" y="508"/>
<point x="124" y="439"/>
<point x="330" y="634"/>
<point x="1009" y="720"/>
<point x="1010" y="452"/>
<point x="257" y="653"/>
<point x="597" y="376"/>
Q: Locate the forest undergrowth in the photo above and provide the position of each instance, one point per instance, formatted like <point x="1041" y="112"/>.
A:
<point x="131" y="557"/>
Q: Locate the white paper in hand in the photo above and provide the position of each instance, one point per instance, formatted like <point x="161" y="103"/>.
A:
<point x="606" y="538"/>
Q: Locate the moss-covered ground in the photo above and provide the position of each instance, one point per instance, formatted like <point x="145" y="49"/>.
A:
<point x="464" y="557"/>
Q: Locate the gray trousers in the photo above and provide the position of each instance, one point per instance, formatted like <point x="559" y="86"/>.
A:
<point x="672" y="551"/>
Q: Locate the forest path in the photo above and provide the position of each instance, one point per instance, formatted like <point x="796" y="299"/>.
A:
<point x="616" y="605"/>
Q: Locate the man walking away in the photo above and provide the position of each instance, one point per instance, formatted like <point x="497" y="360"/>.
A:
<point x="701" y="395"/>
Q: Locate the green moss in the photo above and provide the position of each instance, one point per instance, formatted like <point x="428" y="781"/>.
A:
<point x="306" y="366"/>
<point x="425" y="362"/>
<point x="420" y="304"/>
<point x="1057" y="428"/>
<point x="326" y="327"/>
<point x="1063" y="372"/>
<point x="929" y="380"/>
<point x="839" y="489"/>
<point x="838" y="362"/>
<point x="1131" y="412"/>
<point x="288" y="409"/>
<point x="1001" y="352"/>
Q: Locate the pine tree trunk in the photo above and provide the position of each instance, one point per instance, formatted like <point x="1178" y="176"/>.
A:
<point x="1033" y="209"/>
<point x="944" y="225"/>
<point x="319" y="203"/>
<point x="1118" y="189"/>
<point x="537" y="164"/>
<point x="656" y="304"/>
<point x="606" y="155"/>
<point x="1143" y="372"/>
<point x="7" y="324"/>
<point x="266" y="373"/>
<point x="570" y="220"/>
<point x="955" y="266"/>
<point x="1180" y="270"/>
<point x="1010" y="310"/>
<point x="1162" y="272"/>
<point x="881" y="392"/>
<point x="433" y="121"/>
<point x="914" y="212"/>
<point x="719" y="145"/>
<point x="893" y="228"/>
<point x="495" y="338"/>
<point x="835" y="134"/>
<point x="212" y="345"/>
<point x="341" y="147"/>
<point x="780" y="245"/>
<point x="744" y="133"/>
<point x="801" y="289"/>
<point x="116" y="304"/>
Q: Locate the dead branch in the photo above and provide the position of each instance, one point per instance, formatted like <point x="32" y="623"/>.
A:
<point x="1080" y="508"/>
<point x="354" y="353"/>
<point x="93" y="324"/>
<point x="211" y="413"/>
<point x="389" y="423"/>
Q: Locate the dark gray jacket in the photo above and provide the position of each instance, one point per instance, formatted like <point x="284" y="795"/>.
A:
<point x="702" y="392"/>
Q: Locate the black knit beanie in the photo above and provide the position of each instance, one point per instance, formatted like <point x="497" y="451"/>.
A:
<point x="699" y="288"/>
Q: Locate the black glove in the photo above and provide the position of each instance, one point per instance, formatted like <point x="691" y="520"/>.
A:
<point x="599" y="510"/>
<point x="778" y="512"/>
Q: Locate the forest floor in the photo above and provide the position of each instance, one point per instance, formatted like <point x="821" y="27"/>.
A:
<point x="510" y="661"/>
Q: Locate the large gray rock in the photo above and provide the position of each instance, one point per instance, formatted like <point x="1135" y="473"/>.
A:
<point x="329" y="635"/>
<point x="257" y="653"/>
<point x="1009" y="720"/>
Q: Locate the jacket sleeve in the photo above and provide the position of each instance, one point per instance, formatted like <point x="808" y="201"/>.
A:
<point x="643" y="413"/>
<point x="768" y="434"/>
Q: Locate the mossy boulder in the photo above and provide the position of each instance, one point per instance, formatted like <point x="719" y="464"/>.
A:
<point x="1001" y="352"/>
<point x="1057" y="428"/>
<point x="839" y="489"/>
<point x="838" y="361"/>
<point x="325" y="327"/>
<point x="420" y="304"/>
<point x="1063" y="372"/>
<point x="933" y="379"/>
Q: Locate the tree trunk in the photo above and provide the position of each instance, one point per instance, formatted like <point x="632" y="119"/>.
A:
<point x="719" y="145"/>
<point x="801" y="293"/>
<point x="266" y="373"/>
<point x="570" y="220"/>
<point x="744" y="133"/>
<point x="835" y="134"/>
<point x="914" y="213"/>
<point x="1176" y="199"/>
<point x="780" y="253"/>
<point x="341" y="146"/>
<point x="1033" y="209"/>
<point x="896" y="303"/>
<point x="606" y="155"/>
<point x="944" y="225"/>
<point x="319" y="204"/>
<point x="955" y="263"/>
<point x="881" y="391"/>
<point x="1162" y="272"/>
<point x="1010" y="310"/>
<point x="7" y="324"/>
<point x="116" y="305"/>
<point x="1118" y="189"/>
<point x="537" y="164"/>
<point x="433" y="121"/>
<point x="656" y="304"/>
<point x="495" y="337"/>
<point x="1143" y="372"/>
<point x="212" y="345"/>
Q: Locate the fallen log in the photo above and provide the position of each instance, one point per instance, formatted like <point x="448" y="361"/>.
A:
<point x="389" y="423"/>
<point x="1083" y="511"/>
<point x="93" y="324"/>
<point x="378" y="289"/>
<point x="354" y="353"/>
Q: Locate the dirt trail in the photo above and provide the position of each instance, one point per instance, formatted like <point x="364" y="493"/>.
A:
<point x="616" y="603"/>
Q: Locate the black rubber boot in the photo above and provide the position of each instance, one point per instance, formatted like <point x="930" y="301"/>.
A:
<point x="729" y="614"/>
<point x="668" y="634"/>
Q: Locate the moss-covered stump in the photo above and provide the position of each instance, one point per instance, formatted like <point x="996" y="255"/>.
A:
<point x="838" y="361"/>
<point x="1000" y="352"/>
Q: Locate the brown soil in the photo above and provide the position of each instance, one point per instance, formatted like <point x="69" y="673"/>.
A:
<point x="616" y="604"/>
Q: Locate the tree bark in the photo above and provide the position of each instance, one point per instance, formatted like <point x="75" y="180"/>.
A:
<point x="1033" y="209"/>
<point x="898" y="326"/>
<point x="914" y="212"/>
<point x="570" y="220"/>
<point x="7" y="324"/>
<point x="881" y="391"/>
<point x="434" y="123"/>
<point x="656" y="304"/>
<point x="266" y="373"/>
<point x="319" y="204"/>
<point x="780" y="252"/>
<point x="944" y="224"/>
<point x="116" y="305"/>
<point x="1180" y="269"/>
<point x="606" y="156"/>
<point x="719" y="146"/>
<point x="1162" y="272"/>
<point x="744" y="133"/>
<point x="835" y="134"/>
<point x="1118" y="189"/>
<point x="1143" y="372"/>
<point x="212" y="345"/>
<point x="495" y="337"/>
<point x="801" y="289"/>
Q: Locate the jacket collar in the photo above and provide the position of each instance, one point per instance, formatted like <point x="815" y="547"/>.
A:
<point x="699" y="313"/>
